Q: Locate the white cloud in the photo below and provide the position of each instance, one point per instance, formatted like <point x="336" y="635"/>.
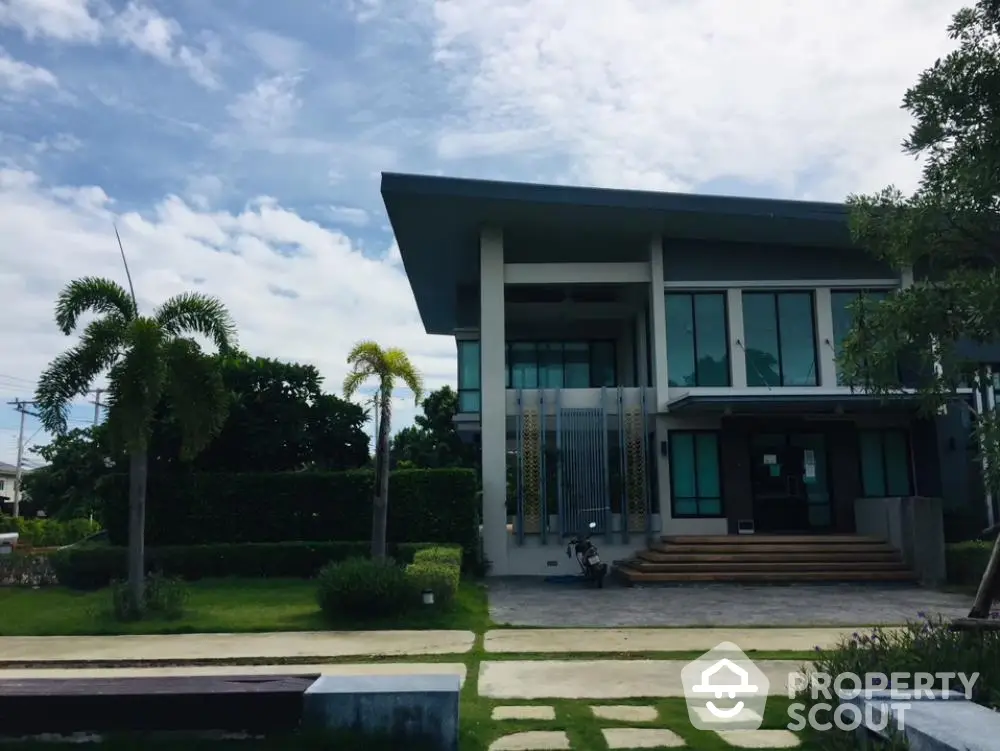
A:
<point x="653" y="94"/>
<point x="341" y="295"/>
<point x="18" y="76"/>
<point x="269" y="107"/>
<point x="279" y="53"/>
<point x="349" y="215"/>
<point x="63" y="20"/>
<point x="138" y="26"/>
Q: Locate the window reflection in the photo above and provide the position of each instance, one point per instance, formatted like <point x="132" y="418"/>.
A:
<point x="780" y="331"/>
<point x="843" y="318"/>
<point x="697" y="339"/>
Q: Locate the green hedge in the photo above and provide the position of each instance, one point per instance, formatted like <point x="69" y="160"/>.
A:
<point x="45" y="533"/>
<point x="425" y="505"/>
<point x="966" y="561"/>
<point x="92" y="568"/>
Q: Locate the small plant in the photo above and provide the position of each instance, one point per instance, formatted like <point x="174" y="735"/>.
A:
<point x="363" y="588"/>
<point x="451" y="556"/>
<point x="164" y="597"/>
<point x="440" y="578"/>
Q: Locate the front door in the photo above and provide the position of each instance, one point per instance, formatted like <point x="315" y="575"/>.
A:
<point x="789" y="482"/>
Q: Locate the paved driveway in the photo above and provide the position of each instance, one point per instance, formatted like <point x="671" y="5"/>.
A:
<point x="533" y="602"/>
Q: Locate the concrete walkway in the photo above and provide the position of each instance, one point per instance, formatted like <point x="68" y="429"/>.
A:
<point x="179" y="647"/>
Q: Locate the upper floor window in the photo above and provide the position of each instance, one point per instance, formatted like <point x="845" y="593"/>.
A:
<point x="697" y="339"/>
<point x="469" y="384"/>
<point x="561" y="365"/>
<point x="780" y="338"/>
<point x="2" y="482"/>
<point x="843" y="317"/>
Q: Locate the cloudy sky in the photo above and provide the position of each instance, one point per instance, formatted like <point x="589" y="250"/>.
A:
<point x="238" y="143"/>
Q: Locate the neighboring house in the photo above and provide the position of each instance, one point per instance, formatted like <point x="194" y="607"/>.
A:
<point x="660" y="363"/>
<point x="8" y="473"/>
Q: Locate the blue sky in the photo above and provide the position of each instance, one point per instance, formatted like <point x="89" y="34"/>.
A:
<point x="238" y="144"/>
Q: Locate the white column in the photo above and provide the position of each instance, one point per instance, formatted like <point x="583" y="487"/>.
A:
<point x="825" y="344"/>
<point x="737" y="339"/>
<point x="906" y="277"/>
<point x="657" y="309"/>
<point x="642" y="353"/>
<point x="494" y="399"/>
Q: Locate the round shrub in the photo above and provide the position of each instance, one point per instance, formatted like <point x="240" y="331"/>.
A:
<point x="363" y="588"/>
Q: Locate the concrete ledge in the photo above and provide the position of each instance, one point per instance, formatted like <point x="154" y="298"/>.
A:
<point x="408" y="708"/>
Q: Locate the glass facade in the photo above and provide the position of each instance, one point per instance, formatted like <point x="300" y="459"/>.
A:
<point x="780" y="331"/>
<point x="885" y="463"/>
<point x="469" y="364"/>
<point x="561" y="365"/>
<point x="697" y="339"/>
<point x="695" y="483"/>
<point x="843" y="318"/>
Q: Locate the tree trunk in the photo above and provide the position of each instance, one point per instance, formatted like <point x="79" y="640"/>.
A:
<point x="988" y="585"/>
<point x="137" y="473"/>
<point x="380" y="512"/>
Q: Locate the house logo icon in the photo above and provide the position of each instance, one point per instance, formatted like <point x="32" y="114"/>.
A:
<point x="725" y="690"/>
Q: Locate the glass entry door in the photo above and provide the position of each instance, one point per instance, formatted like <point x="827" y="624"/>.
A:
<point x="789" y="482"/>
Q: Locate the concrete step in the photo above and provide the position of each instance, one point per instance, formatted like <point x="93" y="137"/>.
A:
<point x="634" y="576"/>
<point x="758" y="539"/>
<point x="754" y="556"/>
<point x="732" y="549"/>
<point x="767" y="566"/>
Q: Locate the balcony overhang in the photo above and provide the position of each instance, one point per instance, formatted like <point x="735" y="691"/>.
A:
<point x="796" y="404"/>
<point x="437" y="222"/>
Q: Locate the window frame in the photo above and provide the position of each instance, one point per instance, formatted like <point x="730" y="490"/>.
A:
<point x="697" y="498"/>
<point x="461" y="388"/>
<point x="509" y="378"/>
<point x="907" y="442"/>
<point x="775" y="296"/>
<point x="692" y="295"/>
<point x="857" y="292"/>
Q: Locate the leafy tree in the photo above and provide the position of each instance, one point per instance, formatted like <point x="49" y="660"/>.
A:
<point x="388" y="366"/>
<point x="947" y="233"/>
<point x="279" y="420"/>
<point x="433" y="442"/>
<point x="145" y="358"/>
<point x="66" y="487"/>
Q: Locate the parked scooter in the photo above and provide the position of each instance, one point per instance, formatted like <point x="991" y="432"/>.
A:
<point x="587" y="556"/>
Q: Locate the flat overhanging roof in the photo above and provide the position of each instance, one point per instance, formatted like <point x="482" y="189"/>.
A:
<point x="803" y="404"/>
<point x="437" y="222"/>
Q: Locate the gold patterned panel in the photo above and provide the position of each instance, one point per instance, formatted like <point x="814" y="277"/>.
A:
<point x="635" y="481"/>
<point x="531" y="471"/>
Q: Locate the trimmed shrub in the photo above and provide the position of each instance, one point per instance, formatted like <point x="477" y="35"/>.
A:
<point x="425" y="505"/>
<point x="26" y="570"/>
<point x="48" y="533"/>
<point x="966" y="561"/>
<point x="361" y="588"/>
<point x="93" y="568"/>
<point x="163" y="597"/>
<point x="450" y="555"/>
<point x="440" y="578"/>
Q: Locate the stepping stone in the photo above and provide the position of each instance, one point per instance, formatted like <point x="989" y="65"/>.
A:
<point x="759" y="738"/>
<point x="703" y="715"/>
<point x="625" y="713"/>
<point x="633" y="738"/>
<point x="534" y="740"/>
<point x="514" y="712"/>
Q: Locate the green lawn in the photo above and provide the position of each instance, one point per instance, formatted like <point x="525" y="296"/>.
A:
<point x="218" y="606"/>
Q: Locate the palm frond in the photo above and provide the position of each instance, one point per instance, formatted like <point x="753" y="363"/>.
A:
<point x="95" y="294"/>
<point x="197" y="313"/>
<point x="72" y="373"/>
<point x="398" y="364"/>
<point x="197" y="394"/>
<point x="135" y="385"/>
<point x="367" y="361"/>
<point x="353" y="381"/>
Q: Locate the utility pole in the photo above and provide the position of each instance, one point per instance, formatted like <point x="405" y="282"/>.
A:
<point x="21" y="407"/>
<point x="97" y="405"/>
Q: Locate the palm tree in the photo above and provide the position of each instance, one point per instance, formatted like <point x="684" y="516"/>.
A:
<point x="368" y="360"/>
<point x="147" y="359"/>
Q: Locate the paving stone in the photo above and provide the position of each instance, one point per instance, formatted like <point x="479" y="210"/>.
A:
<point x="533" y="740"/>
<point x="759" y="738"/>
<point x="625" y="713"/>
<point x="529" y="601"/>
<point x="747" y="715"/>
<point x="531" y="712"/>
<point x="634" y="738"/>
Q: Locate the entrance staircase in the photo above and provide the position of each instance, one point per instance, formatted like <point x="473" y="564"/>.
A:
<point x="760" y="559"/>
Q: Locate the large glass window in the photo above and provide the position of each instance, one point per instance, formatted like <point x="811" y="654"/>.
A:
<point x="780" y="331"/>
<point x="468" y="375"/>
<point x="695" y="486"/>
<point x="557" y="365"/>
<point x="697" y="339"/>
<point x="843" y="317"/>
<point x="885" y="464"/>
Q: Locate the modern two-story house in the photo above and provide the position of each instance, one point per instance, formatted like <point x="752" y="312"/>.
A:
<point x="660" y="365"/>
